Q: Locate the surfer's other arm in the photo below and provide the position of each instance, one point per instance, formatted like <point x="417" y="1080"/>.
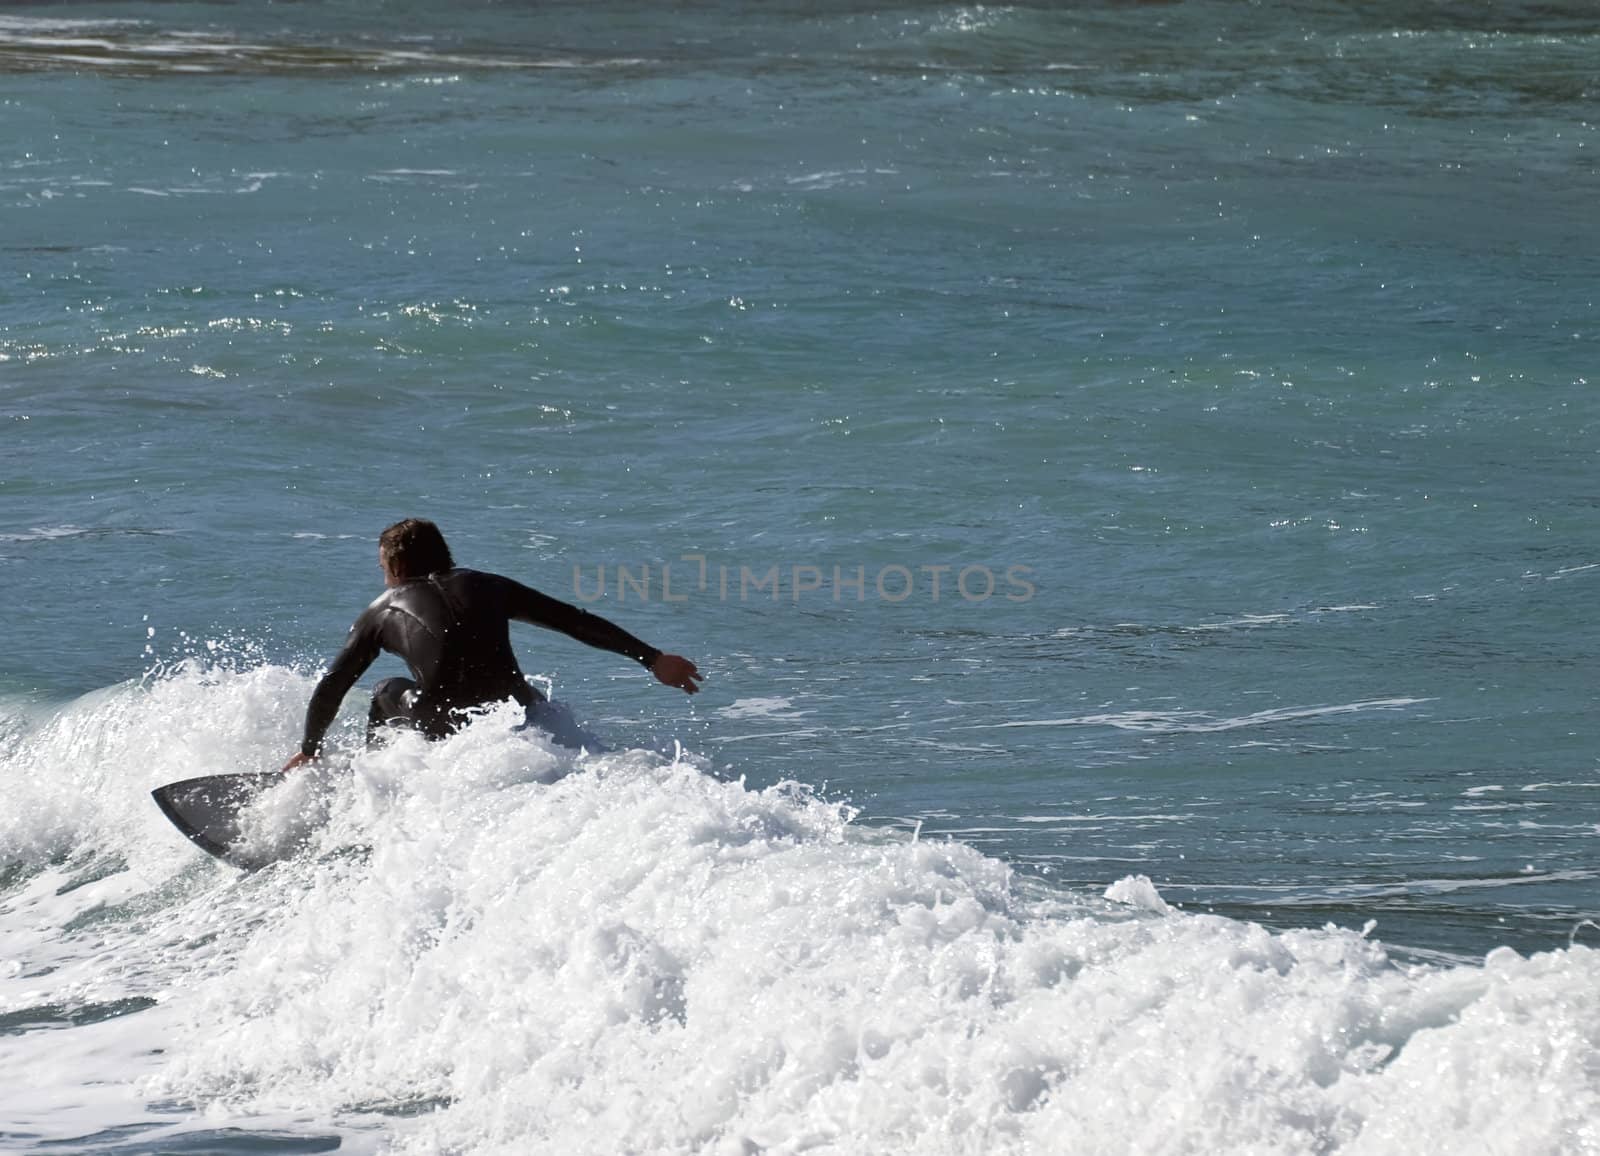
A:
<point x="528" y="605"/>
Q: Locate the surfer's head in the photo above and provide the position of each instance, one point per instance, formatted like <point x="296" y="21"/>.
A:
<point x="412" y="548"/>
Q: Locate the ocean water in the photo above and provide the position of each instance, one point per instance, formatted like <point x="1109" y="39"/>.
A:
<point x="1126" y="471"/>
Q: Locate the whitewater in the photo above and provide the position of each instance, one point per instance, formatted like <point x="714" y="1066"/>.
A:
<point x="495" y="944"/>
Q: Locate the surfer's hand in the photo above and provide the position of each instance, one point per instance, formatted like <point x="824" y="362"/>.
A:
<point x="300" y="759"/>
<point x="676" y="670"/>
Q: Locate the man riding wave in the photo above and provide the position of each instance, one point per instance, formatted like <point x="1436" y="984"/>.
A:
<point x="451" y="626"/>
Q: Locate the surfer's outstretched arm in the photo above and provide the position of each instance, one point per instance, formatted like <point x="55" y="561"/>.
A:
<point x="360" y="650"/>
<point x="526" y="604"/>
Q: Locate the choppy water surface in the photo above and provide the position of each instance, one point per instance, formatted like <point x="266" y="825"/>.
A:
<point x="1228" y="367"/>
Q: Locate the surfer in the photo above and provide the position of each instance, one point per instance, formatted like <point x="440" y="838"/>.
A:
<point x="451" y="625"/>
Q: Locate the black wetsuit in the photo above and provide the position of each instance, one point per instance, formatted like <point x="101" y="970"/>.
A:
<point x="453" y="630"/>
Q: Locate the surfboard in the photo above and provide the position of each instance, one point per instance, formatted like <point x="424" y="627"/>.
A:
<point x="218" y="813"/>
<point x="208" y="810"/>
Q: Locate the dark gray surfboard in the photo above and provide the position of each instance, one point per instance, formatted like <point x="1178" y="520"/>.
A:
<point x="207" y="811"/>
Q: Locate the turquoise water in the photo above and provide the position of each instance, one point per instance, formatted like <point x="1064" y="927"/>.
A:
<point x="1246" y="350"/>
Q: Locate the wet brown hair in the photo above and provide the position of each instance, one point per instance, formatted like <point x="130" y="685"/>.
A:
<point x="414" y="548"/>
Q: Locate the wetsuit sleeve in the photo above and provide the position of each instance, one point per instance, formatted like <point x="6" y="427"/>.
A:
<point x="528" y="605"/>
<point x="360" y="649"/>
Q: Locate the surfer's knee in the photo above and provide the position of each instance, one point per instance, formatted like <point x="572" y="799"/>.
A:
<point x="393" y="704"/>
<point x="394" y="694"/>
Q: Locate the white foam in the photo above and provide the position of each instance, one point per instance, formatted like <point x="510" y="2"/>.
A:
<point x="14" y="25"/>
<point x="1201" y="722"/>
<point x="586" y="953"/>
<point x="46" y="534"/>
<point x="774" y="707"/>
<point x="1138" y="891"/>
